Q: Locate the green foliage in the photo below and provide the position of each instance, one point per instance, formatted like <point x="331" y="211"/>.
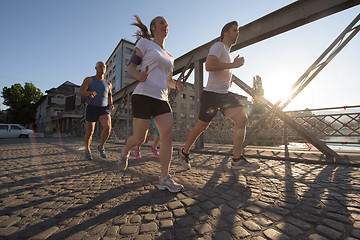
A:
<point x="21" y="101"/>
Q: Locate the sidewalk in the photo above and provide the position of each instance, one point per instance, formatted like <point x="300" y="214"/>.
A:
<point x="49" y="192"/>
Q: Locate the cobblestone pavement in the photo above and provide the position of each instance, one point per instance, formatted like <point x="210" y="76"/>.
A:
<point x="49" y="192"/>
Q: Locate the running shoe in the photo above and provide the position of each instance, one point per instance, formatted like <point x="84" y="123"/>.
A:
<point x="185" y="160"/>
<point x="137" y="154"/>
<point x="169" y="184"/>
<point x="123" y="162"/>
<point x="88" y="156"/>
<point x="244" y="164"/>
<point x="102" y="152"/>
<point x="155" y="151"/>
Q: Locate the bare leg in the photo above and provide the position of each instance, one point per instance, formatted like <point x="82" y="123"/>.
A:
<point x="199" y="128"/>
<point x="164" y="123"/>
<point x="140" y="128"/>
<point x="239" y="117"/>
<point x="156" y="141"/>
<point x="89" y="130"/>
<point x="105" y="121"/>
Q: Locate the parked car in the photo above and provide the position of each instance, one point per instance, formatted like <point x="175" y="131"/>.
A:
<point x="14" y="131"/>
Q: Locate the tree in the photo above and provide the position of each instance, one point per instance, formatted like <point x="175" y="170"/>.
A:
<point x="22" y="102"/>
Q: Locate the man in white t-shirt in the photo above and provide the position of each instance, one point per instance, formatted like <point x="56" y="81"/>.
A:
<point x="216" y="96"/>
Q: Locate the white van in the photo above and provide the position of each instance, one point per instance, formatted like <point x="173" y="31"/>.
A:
<point x="14" y="131"/>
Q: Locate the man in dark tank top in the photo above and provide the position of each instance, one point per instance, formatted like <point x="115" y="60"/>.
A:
<point x="99" y="103"/>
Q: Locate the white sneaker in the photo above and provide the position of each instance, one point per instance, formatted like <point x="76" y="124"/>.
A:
<point x="185" y="160"/>
<point x="169" y="184"/>
<point x="244" y="164"/>
<point x="123" y="162"/>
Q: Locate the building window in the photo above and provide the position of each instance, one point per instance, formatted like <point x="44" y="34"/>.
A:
<point x="174" y="105"/>
<point x="191" y="116"/>
<point x="192" y="106"/>
<point x="128" y="50"/>
<point x="183" y="96"/>
<point x="183" y="105"/>
<point x="192" y="98"/>
<point x="183" y="115"/>
<point x="174" y="115"/>
<point x="184" y="87"/>
<point x="192" y="88"/>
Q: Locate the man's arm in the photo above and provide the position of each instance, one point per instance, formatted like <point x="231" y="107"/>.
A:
<point x="83" y="91"/>
<point x="213" y="64"/>
<point x="110" y="98"/>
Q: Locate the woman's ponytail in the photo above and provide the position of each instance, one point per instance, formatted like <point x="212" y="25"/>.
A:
<point x="143" y="31"/>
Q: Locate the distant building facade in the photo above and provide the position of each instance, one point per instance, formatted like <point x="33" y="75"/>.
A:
<point x="116" y="72"/>
<point x="59" y="109"/>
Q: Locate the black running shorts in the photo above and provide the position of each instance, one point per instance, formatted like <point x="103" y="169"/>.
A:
<point x="145" y="107"/>
<point x="92" y="113"/>
<point x="211" y="102"/>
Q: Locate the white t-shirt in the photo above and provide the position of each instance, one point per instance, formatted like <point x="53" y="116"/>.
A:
<point x="219" y="81"/>
<point x="161" y="64"/>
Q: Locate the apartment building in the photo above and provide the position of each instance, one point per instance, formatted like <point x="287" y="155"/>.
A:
<point x="116" y="66"/>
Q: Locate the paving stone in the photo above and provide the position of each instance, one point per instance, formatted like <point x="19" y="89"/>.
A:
<point x="263" y="221"/>
<point x="162" y="215"/>
<point x="135" y="219"/>
<point x="252" y="226"/>
<point x="273" y="216"/>
<point x="148" y="227"/>
<point x="7" y="221"/>
<point x="179" y="212"/>
<point x="184" y="233"/>
<point x="175" y="204"/>
<point x="253" y="209"/>
<point x="185" y="221"/>
<point x="317" y="237"/>
<point x="355" y="233"/>
<point x="289" y="229"/>
<point x="126" y="229"/>
<point x="328" y="232"/>
<point x="338" y="226"/>
<point x="193" y="209"/>
<point x="275" y="235"/>
<point x="203" y="228"/>
<point x="240" y="232"/>
<point x="8" y="231"/>
<point x="112" y="231"/>
<point x="46" y="233"/>
<point x="167" y="223"/>
<point x="298" y="222"/>
<point x="222" y="236"/>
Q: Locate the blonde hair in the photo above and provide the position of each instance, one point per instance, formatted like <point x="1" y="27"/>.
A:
<point x="143" y="31"/>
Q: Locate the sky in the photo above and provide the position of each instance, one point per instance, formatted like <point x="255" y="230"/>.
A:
<point x="48" y="42"/>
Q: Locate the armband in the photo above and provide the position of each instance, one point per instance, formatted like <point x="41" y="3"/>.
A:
<point x="134" y="59"/>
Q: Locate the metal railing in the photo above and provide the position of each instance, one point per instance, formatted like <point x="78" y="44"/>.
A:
<point x="336" y="125"/>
